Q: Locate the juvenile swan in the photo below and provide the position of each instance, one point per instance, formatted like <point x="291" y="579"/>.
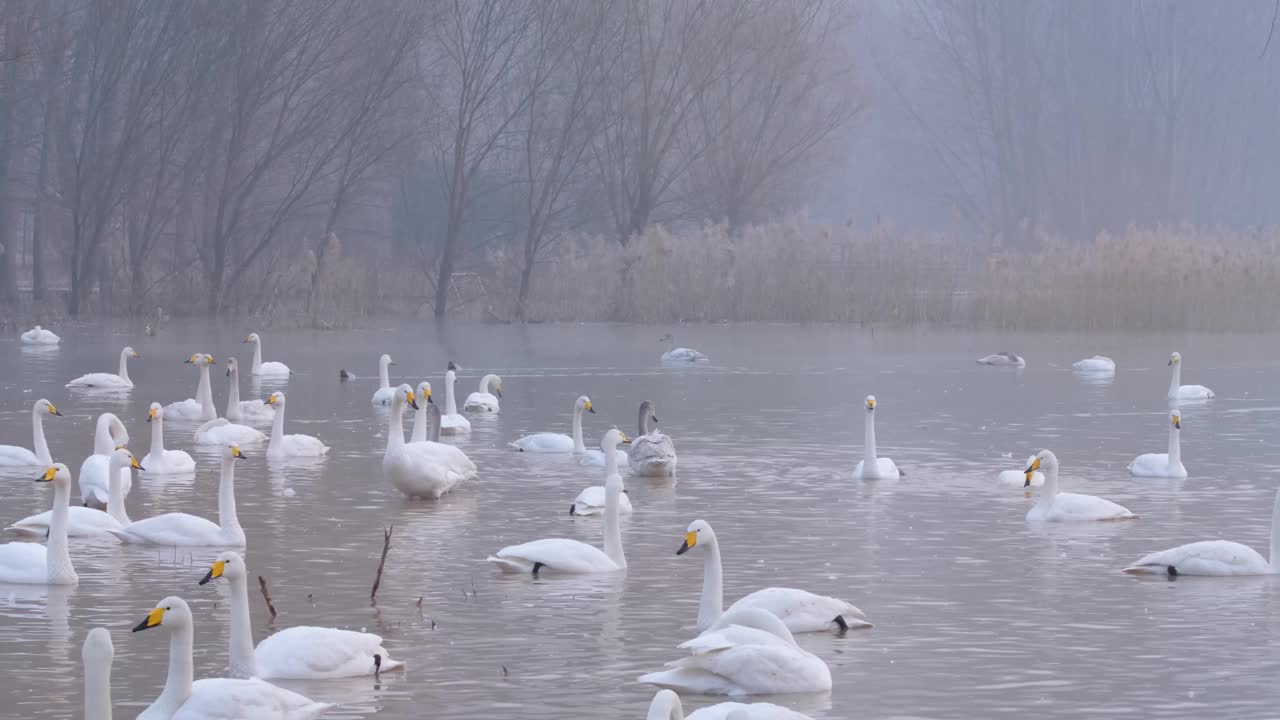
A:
<point x="652" y="453"/>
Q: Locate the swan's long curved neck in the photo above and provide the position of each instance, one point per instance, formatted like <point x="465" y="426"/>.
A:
<point x="157" y="436"/>
<point x="177" y="686"/>
<point x="57" y="556"/>
<point x="487" y="382"/>
<point x="1050" y="489"/>
<point x="395" y="424"/>
<point x="115" y="487"/>
<point x="870" y="466"/>
<point x="277" y="428"/>
<point x="666" y="706"/>
<point x="579" y="447"/>
<point x="1175" y="446"/>
<point x="712" y="605"/>
<point x="204" y="395"/>
<point x="612" y="527"/>
<point x="124" y="366"/>
<point x="420" y="424"/>
<point x="233" y="397"/>
<point x="97" y="689"/>
<point x="450" y="404"/>
<point x="228" y="520"/>
<point x="103" y="439"/>
<point x="38" y="443"/>
<point x="433" y="427"/>
<point x="257" y="356"/>
<point x="642" y="427"/>
<point x="1275" y="534"/>
<point x="1175" y="380"/>
<point x="240" y="662"/>
<point x="384" y="376"/>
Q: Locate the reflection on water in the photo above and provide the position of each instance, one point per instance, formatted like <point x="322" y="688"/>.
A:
<point x="977" y="614"/>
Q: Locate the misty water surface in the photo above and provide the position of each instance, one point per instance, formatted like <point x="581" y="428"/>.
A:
<point x="977" y="614"/>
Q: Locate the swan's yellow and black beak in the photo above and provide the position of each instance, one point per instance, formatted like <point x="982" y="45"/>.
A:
<point x="1173" y="360"/>
<point x="153" y="619"/>
<point x="588" y="408"/>
<point x="690" y="540"/>
<point x="498" y="391"/>
<point x="235" y="453"/>
<point x="209" y="360"/>
<point x="152" y="414"/>
<point x="192" y="360"/>
<point x="426" y="394"/>
<point x="653" y="419"/>
<point x="246" y="340"/>
<point x="135" y="354"/>
<point x="408" y="397"/>
<point x="53" y="410"/>
<point x="871" y="404"/>
<point x="228" y="369"/>
<point x="133" y="463"/>
<point x="625" y="440"/>
<point x="1177" y="422"/>
<point x="1027" y="484"/>
<point x="1035" y="465"/>
<point x="214" y="572"/>
<point x="271" y="399"/>
<point x="48" y="475"/>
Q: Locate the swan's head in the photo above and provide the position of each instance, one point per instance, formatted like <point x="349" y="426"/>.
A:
<point x="228" y="564"/>
<point x="1042" y="459"/>
<point x="58" y="474"/>
<point x="424" y="392"/>
<point x="453" y="366"/>
<point x="610" y="441"/>
<point x="404" y="394"/>
<point x="201" y="359"/>
<point x="122" y="458"/>
<point x="130" y="352"/>
<point x="253" y="338"/>
<point x="44" y="406"/>
<point x="647" y="410"/>
<point x="275" y="399"/>
<point x="698" y="533"/>
<point x="494" y="382"/>
<point x="232" y="452"/>
<point x="97" y="647"/>
<point x="171" y="612"/>
<point x="1176" y="417"/>
<point x="754" y="617"/>
<point x="665" y="706"/>
<point x="386" y="360"/>
<point x="584" y="403"/>
<point x="1175" y="358"/>
<point x="154" y="412"/>
<point x="871" y="403"/>
<point x="233" y="366"/>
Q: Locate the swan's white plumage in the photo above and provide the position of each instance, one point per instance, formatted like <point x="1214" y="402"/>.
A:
<point x="384" y="393"/>
<point x="270" y="369"/>
<point x="186" y="530"/>
<point x="1099" y="364"/>
<point x="39" y="455"/>
<point x="591" y="502"/>
<point x="120" y="380"/>
<point x="426" y="468"/>
<point x="244" y="411"/>
<point x="484" y="401"/>
<point x="1054" y="506"/>
<point x="555" y="442"/>
<point x="221" y="431"/>
<point x="1178" y="391"/>
<point x="40" y="336"/>
<point x="95" y="487"/>
<point x="596" y="458"/>
<point x="201" y="406"/>
<point x="1214" y="557"/>
<point x="1017" y="478"/>
<point x="87" y="521"/>
<point x="1166" y="464"/>
<point x="281" y="446"/>
<point x="451" y="422"/>
<point x="162" y="461"/>
<point x="1003" y="359"/>
<point x="884" y="468"/>
<point x="666" y="706"/>
<point x="679" y="354"/>
<point x="49" y="564"/>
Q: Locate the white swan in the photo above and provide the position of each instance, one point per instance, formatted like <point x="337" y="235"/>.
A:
<point x="181" y="529"/>
<point x="666" y="706"/>
<point x="594" y="499"/>
<point x="1178" y="391"/>
<point x="96" y="656"/>
<point x="556" y="442"/>
<point x="748" y="652"/>
<point x="873" y="467"/>
<point x="420" y="421"/>
<point x="1213" y="557"/>
<point x="1003" y="359"/>
<point x="1166" y="465"/>
<point x="39" y="336"/>
<point x="1021" y="478"/>
<point x="452" y="423"/>
<point x="201" y="406"/>
<point x="161" y="461"/>
<point x="484" y="401"/>
<point x="107" y="380"/>
<point x="213" y="699"/>
<point x="243" y="411"/>
<point x="14" y="456"/>
<point x="25" y="563"/>
<point x="282" y="446"/>
<point x="95" y="488"/>
<point x="800" y="610"/>
<point x="384" y="393"/>
<point x="679" y="354"/>
<point x="652" y="453"/>
<point x="1054" y="506"/>
<point x="1096" y="365"/>
<point x="572" y="556"/>
<point x="296" y="653"/>
<point x="270" y="369"/>
<point x="86" y="521"/>
<point x="426" y="468"/>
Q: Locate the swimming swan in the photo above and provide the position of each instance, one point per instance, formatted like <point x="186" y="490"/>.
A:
<point x="1096" y="365"/>
<point x="652" y="453"/>
<point x="1003" y="359"/>
<point x="39" y="336"/>
<point x="426" y="468"/>
<point x="572" y="556"/>
<point x="24" y="563"/>
<point x="201" y="406"/>
<point x="873" y="467"/>
<point x="384" y="393"/>
<point x="282" y="446"/>
<point x="14" y="456"/>
<point x="95" y="490"/>
<point x="107" y="380"/>
<point x="1213" y="557"/>
<point x="242" y="411"/>
<point x="296" y="653"/>
<point x="483" y="400"/>
<point x="1166" y="465"/>
<point x="748" y="652"/>
<point x="452" y="423"/>
<point x="96" y="656"/>
<point x="1178" y="391"/>
<point x="800" y="610"/>
<point x="592" y="501"/>
<point x="1054" y="506"/>
<point x="161" y="461"/>
<point x="666" y="706"/>
<point x="182" y="529"/>
<point x="556" y="442"/>
<point x="86" y="521"/>
<point x="213" y="699"/>
<point x="679" y="354"/>
<point x="265" y="369"/>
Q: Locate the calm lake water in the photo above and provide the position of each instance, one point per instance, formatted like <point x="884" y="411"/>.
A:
<point x="977" y="614"/>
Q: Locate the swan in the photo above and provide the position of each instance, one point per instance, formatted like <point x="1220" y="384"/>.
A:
<point x="800" y="610"/>
<point x="86" y="521"/>
<point x="1004" y="359"/>
<point x="296" y="653"/>
<point x="426" y="468"/>
<point x="593" y="500"/>
<point x="572" y="556"/>
<point x="1098" y="364"/>
<point x="1021" y="479"/>
<point x="1054" y="506"/>
<point x="666" y="706"/>
<point x="652" y="453"/>
<point x="39" y="336"/>
<point x="872" y="467"/>
<point x="95" y="489"/>
<point x="25" y="563"/>
<point x="452" y="423"/>
<point x="96" y="656"/>
<point x="181" y="529"/>
<point x="213" y="699"/>
<point x="1213" y="557"/>
<point x="270" y="369"/>
<point x="240" y="411"/>
<point x="556" y="442"/>
<point x="1178" y="391"/>
<point x="748" y="652"/>
<point x="483" y="400"/>
<point x="201" y="406"/>
<point x="384" y="393"/>
<point x="1166" y="465"/>
<point x="421" y="422"/>
<point x="679" y="354"/>
<point x="160" y="461"/>
<point x="107" y="380"/>
<point x="282" y="446"/>
<point x="14" y="456"/>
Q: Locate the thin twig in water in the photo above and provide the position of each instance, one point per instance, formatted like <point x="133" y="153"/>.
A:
<point x="386" y="548"/>
<point x="266" y="595"/>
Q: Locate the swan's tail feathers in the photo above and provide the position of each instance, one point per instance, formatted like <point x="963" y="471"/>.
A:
<point x="573" y="509"/>
<point x="1152" y="569"/>
<point x="510" y="565"/>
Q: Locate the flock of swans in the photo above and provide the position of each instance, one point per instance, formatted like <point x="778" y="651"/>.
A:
<point x="748" y="649"/>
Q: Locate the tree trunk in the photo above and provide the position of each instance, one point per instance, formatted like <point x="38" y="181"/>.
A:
<point x="526" y="277"/>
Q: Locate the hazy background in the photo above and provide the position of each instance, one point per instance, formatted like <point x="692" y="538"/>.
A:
<point x="1009" y="164"/>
